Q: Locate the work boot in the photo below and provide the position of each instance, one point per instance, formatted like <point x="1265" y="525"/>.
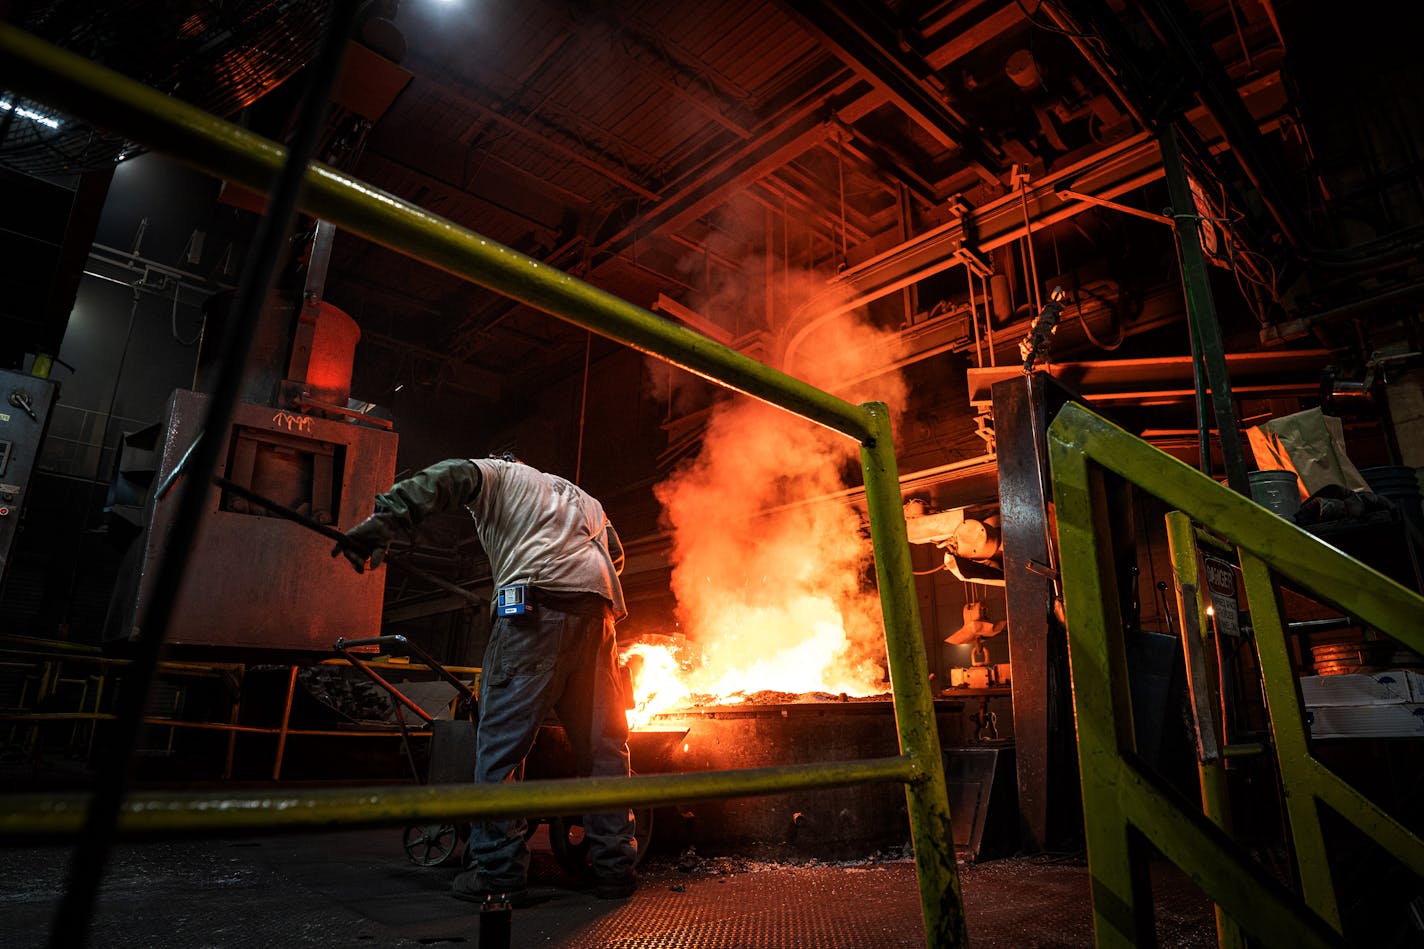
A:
<point x="472" y="887"/>
<point x="616" y="887"/>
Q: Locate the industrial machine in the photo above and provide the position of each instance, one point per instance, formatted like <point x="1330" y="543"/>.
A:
<point x="254" y="580"/>
<point x="25" y="405"/>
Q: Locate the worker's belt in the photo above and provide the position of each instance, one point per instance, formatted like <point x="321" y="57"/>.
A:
<point x="581" y="603"/>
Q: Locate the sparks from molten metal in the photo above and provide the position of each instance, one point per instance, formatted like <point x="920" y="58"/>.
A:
<point x="770" y="577"/>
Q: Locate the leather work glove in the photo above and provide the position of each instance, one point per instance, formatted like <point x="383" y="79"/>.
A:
<point x="368" y="539"/>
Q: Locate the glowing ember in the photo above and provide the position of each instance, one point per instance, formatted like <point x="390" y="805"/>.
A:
<point x="738" y="664"/>
<point x="657" y="682"/>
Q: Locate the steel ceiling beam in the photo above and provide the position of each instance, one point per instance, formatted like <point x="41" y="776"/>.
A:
<point x="1112" y="172"/>
<point x="398" y="168"/>
<point x="702" y="93"/>
<point x="1167" y="379"/>
<point x="599" y="162"/>
<point x="861" y="39"/>
<point x="966" y="39"/>
<point x="895" y="167"/>
<point x="1160" y="85"/>
<point x="797" y="131"/>
<point x="1178" y="29"/>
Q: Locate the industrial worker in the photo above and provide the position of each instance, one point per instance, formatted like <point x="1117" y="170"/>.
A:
<point x="555" y="559"/>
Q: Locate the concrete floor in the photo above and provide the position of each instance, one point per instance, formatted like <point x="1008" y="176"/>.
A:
<point x="357" y="888"/>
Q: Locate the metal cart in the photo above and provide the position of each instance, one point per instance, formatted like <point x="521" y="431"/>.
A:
<point x="452" y="743"/>
<point x="452" y="761"/>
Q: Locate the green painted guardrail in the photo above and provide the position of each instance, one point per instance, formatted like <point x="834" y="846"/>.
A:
<point x="1124" y="805"/>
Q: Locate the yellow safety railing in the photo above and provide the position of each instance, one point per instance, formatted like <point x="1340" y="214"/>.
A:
<point x="48" y="665"/>
<point x="90" y="92"/>
<point x="1124" y="805"/>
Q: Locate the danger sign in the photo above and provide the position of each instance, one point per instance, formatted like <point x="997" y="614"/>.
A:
<point x="1221" y="585"/>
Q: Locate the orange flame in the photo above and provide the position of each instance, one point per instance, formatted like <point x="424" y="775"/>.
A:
<point x="658" y="685"/>
<point x="770" y="565"/>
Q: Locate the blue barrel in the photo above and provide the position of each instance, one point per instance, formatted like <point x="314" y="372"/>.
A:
<point x="1400" y="484"/>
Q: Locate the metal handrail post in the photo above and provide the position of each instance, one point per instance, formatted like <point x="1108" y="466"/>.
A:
<point x="1296" y="555"/>
<point x="1122" y="804"/>
<point x="1309" y="781"/>
<point x="285" y="728"/>
<point x="1201" y="676"/>
<point x="926" y="795"/>
<point x="1098" y="662"/>
<point x="1208" y="352"/>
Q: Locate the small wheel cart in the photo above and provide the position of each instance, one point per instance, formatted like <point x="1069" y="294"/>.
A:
<point x="452" y="744"/>
<point x="452" y="761"/>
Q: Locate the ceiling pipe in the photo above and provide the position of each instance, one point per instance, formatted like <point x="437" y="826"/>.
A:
<point x="1116" y="170"/>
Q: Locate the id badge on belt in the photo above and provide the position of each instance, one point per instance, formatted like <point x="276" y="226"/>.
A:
<point x="512" y="600"/>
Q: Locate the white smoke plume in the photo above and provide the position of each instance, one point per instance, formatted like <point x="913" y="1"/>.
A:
<point x="775" y="588"/>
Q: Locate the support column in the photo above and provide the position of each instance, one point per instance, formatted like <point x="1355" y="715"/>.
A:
<point x="1043" y="725"/>
<point x="927" y="794"/>
<point x="1207" y="349"/>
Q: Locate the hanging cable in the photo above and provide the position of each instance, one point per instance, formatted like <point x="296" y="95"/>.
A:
<point x="583" y="408"/>
<point x="840" y="174"/>
<point x="974" y="318"/>
<point x="1028" y="244"/>
<point x="173" y="319"/>
<point x="1087" y="330"/>
<point x="785" y="249"/>
<point x="988" y="319"/>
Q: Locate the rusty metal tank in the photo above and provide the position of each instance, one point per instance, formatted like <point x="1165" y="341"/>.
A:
<point x="829" y="824"/>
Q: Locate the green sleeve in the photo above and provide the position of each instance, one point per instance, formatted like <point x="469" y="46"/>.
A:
<point x="444" y="486"/>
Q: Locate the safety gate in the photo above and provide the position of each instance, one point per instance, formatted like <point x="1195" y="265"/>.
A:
<point x="1124" y="806"/>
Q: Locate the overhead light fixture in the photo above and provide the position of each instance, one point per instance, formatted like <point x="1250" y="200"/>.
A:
<point x="7" y="106"/>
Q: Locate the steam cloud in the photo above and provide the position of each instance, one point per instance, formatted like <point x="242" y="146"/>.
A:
<point x="778" y="593"/>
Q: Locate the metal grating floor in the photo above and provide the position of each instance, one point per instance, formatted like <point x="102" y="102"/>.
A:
<point x="775" y="908"/>
<point x="356" y="888"/>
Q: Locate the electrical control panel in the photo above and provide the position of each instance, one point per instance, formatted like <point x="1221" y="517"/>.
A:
<point x="25" y="404"/>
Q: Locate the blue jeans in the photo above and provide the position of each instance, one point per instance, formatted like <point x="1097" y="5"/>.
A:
<point x="561" y="657"/>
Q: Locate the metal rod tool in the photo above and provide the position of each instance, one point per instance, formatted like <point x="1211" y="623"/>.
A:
<point x="281" y="510"/>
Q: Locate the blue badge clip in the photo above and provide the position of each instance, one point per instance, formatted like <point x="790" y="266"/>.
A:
<point x="512" y="600"/>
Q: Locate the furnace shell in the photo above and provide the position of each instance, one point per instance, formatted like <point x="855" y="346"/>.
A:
<point x="829" y="824"/>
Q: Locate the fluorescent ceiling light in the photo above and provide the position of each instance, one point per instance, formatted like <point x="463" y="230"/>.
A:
<point x="7" y="106"/>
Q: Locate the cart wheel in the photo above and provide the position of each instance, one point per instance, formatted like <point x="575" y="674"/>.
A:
<point x="430" y="845"/>
<point x="570" y="847"/>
